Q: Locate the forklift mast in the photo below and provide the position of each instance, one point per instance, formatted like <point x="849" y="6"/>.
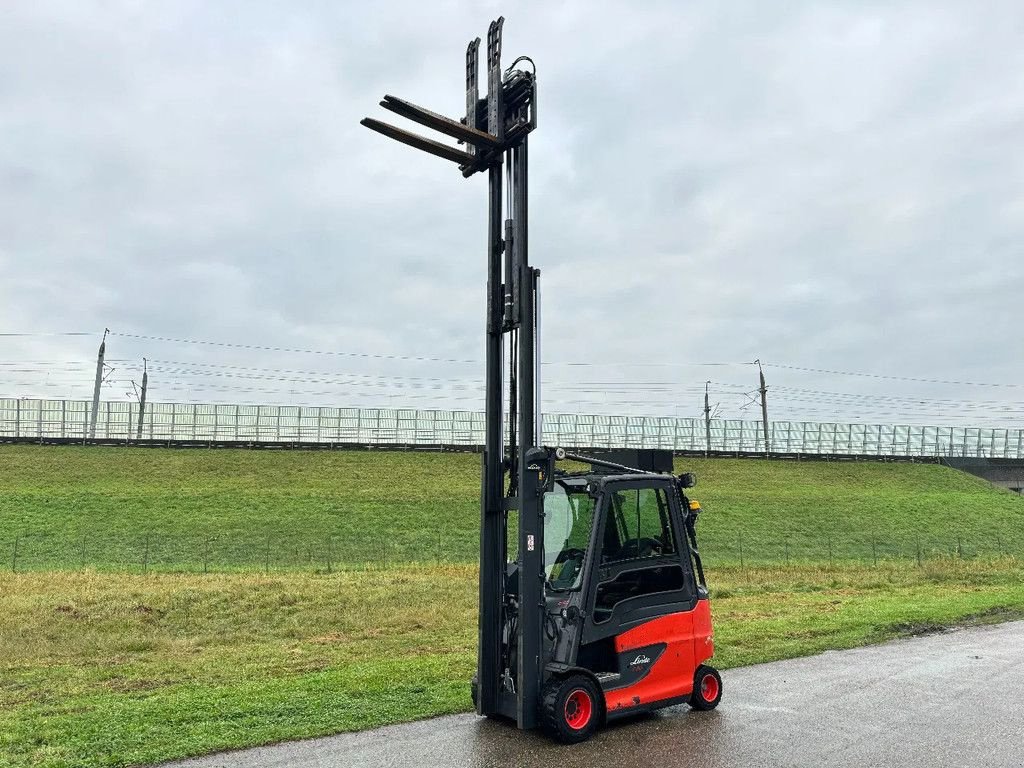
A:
<point x="494" y="133"/>
<point x="622" y="622"/>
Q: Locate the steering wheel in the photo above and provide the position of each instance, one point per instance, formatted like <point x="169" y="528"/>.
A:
<point x="649" y="546"/>
<point x="646" y="546"/>
<point x="574" y="554"/>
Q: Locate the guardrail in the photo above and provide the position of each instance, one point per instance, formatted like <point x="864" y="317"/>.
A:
<point x="117" y="421"/>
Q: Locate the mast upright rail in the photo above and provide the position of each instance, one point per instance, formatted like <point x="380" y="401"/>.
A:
<point x="493" y="132"/>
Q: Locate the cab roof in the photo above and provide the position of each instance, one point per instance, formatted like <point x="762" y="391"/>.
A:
<point x="578" y="481"/>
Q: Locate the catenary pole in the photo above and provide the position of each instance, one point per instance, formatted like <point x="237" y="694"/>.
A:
<point x="99" y="381"/>
<point x="142" y="399"/>
<point x="707" y="419"/>
<point x="763" y="389"/>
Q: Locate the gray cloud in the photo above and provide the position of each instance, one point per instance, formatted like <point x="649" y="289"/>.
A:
<point x="837" y="187"/>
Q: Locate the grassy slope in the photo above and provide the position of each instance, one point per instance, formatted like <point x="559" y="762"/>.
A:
<point x="116" y="669"/>
<point x="900" y="506"/>
<point x="301" y="503"/>
<point x="96" y="506"/>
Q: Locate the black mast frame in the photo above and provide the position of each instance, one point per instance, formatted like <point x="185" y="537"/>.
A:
<point x="494" y="131"/>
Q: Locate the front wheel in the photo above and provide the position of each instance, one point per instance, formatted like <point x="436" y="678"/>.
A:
<point x="707" y="688"/>
<point x="571" y="709"/>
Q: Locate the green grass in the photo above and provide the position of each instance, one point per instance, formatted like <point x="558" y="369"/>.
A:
<point x="126" y="508"/>
<point x="866" y="510"/>
<point x="232" y="508"/>
<point x="101" y="669"/>
<point x="102" y="665"/>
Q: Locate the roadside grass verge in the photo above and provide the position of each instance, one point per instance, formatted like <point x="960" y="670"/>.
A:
<point x="100" y="669"/>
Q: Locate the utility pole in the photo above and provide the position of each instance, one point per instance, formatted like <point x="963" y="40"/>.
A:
<point x="764" y="408"/>
<point x="707" y="419"/>
<point x="96" y="386"/>
<point x="142" y="398"/>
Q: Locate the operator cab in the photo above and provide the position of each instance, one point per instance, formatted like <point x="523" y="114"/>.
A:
<point x="628" y="622"/>
<point x="638" y="533"/>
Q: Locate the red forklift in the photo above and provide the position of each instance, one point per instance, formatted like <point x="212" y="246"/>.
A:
<point x="593" y="603"/>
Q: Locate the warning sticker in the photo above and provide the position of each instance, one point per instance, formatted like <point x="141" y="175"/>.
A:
<point x="529" y="542"/>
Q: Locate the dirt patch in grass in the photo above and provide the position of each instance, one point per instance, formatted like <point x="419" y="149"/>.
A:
<point x="993" y="615"/>
<point x="915" y="629"/>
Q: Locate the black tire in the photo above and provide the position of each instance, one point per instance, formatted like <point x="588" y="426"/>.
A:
<point x="571" y="709"/>
<point x="707" y="688"/>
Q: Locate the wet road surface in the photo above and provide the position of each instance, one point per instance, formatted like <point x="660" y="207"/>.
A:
<point x="952" y="699"/>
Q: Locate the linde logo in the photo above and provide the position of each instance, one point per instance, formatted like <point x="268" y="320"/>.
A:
<point x="639" y="661"/>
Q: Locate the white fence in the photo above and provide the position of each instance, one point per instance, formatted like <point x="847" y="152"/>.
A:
<point x="46" y="419"/>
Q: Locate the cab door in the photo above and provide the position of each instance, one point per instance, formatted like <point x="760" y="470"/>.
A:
<point x="642" y="595"/>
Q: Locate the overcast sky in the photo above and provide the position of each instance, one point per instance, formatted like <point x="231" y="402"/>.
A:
<point x="835" y="186"/>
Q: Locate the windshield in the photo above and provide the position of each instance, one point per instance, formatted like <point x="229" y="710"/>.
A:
<point x="568" y="516"/>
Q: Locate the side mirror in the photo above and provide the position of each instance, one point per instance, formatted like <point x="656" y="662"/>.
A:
<point x="687" y="480"/>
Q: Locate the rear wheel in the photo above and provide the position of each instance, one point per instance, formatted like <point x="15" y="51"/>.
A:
<point x="707" y="688"/>
<point x="571" y="708"/>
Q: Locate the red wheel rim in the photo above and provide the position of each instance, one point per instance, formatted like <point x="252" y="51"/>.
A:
<point x="709" y="688"/>
<point x="578" y="709"/>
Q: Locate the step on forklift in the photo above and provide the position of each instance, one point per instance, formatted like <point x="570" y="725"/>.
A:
<point x="593" y="603"/>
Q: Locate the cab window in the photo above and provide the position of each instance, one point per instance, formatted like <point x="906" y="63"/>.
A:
<point x="568" y="516"/>
<point x="638" y="527"/>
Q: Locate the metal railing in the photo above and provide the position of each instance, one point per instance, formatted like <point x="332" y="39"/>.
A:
<point x="118" y="420"/>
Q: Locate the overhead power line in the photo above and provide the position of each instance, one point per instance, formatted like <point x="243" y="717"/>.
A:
<point x="54" y="333"/>
<point x="661" y="392"/>
<point x="893" y="378"/>
<point x="264" y="369"/>
<point x="413" y="358"/>
<point x="291" y="350"/>
<point x="574" y="363"/>
<point x="215" y="371"/>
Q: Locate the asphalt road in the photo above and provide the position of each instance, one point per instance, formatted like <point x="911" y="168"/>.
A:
<point x="952" y="699"/>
